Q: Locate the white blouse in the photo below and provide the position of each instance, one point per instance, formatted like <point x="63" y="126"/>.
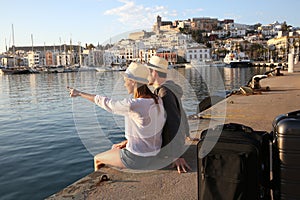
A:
<point x="144" y="121"/>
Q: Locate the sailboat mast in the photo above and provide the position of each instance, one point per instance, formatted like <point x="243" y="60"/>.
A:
<point x="44" y="54"/>
<point x="32" y="43"/>
<point x="71" y="52"/>
<point x="5" y="45"/>
<point x="13" y="47"/>
<point x="79" y="52"/>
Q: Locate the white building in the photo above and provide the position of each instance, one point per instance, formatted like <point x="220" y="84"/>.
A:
<point x="93" y="57"/>
<point x="220" y="33"/>
<point x="34" y="59"/>
<point x="233" y="26"/>
<point x="270" y="29"/>
<point x="238" y="33"/>
<point x="197" y="52"/>
<point x="184" y="24"/>
<point x="64" y="59"/>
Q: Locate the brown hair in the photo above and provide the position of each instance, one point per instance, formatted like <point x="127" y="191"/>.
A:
<point x="142" y="91"/>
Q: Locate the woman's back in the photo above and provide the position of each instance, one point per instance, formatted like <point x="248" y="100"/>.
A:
<point x="144" y="121"/>
<point x="144" y="126"/>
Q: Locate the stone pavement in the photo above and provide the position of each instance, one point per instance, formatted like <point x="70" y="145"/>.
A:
<point x="256" y="111"/>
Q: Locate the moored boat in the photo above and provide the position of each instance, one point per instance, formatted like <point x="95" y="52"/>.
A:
<point x="54" y="69"/>
<point x="8" y="71"/>
<point x="217" y="64"/>
<point x="237" y="60"/>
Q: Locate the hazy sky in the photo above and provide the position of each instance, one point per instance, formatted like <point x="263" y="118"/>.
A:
<point x="96" y="21"/>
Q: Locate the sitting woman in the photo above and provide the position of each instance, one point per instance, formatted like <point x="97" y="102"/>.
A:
<point x="144" y="120"/>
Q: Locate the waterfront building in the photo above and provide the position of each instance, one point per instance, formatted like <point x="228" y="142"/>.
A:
<point x="45" y="48"/>
<point x="51" y="58"/>
<point x="33" y="58"/>
<point x="169" y="54"/>
<point x="8" y="61"/>
<point x="147" y="53"/>
<point x="63" y="59"/>
<point x="93" y="57"/>
<point x="285" y="44"/>
<point x="197" y="52"/>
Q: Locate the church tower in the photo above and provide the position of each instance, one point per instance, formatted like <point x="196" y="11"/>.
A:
<point x="158" y="24"/>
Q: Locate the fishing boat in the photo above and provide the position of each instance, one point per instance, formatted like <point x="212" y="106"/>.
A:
<point x="15" y="70"/>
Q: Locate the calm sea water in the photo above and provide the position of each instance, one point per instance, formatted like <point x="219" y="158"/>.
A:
<point x="47" y="140"/>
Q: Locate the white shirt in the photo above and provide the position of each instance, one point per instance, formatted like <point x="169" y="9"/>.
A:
<point x="144" y="121"/>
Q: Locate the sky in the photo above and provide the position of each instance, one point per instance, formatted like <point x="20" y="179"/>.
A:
<point x="54" y="22"/>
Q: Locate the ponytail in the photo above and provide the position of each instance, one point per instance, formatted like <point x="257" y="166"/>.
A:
<point x="143" y="91"/>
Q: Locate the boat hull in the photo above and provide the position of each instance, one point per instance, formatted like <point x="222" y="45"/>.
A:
<point x="239" y="64"/>
<point x="14" y="71"/>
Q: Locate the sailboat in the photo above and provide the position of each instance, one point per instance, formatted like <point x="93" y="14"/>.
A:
<point x="14" y="69"/>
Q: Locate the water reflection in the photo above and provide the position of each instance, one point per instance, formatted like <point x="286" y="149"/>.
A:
<point x="231" y="78"/>
<point x="39" y="123"/>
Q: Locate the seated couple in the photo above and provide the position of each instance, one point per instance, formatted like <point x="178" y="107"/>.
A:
<point x="155" y="123"/>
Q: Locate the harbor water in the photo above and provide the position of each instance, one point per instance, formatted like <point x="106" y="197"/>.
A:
<point x="48" y="140"/>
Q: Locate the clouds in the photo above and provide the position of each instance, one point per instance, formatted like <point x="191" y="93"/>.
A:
<point x="194" y="11"/>
<point x="138" y="16"/>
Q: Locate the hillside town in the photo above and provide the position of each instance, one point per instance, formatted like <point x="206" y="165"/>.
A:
<point x="181" y="41"/>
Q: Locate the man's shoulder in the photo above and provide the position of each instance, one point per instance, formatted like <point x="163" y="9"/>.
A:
<point x="162" y="91"/>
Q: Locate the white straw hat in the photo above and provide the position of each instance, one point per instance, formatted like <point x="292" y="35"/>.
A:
<point x="159" y="64"/>
<point x="137" y="72"/>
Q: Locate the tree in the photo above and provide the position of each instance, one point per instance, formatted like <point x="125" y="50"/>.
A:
<point x="255" y="50"/>
<point x="184" y="30"/>
<point x="197" y="36"/>
<point x="255" y="26"/>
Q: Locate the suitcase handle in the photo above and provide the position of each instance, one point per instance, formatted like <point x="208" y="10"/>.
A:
<point x="273" y="137"/>
<point x="236" y="127"/>
<point x="294" y="114"/>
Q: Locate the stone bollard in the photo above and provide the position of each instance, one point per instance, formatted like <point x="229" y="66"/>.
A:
<point x="291" y="63"/>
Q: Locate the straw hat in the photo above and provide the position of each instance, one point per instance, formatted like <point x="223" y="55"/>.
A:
<point x="159" y="64"/>
<point x="137" y="72"/>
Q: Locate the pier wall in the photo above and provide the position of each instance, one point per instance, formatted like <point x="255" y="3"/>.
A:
<point x="256" y="111"/>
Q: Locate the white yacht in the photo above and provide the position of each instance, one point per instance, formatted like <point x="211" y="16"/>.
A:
<point x="233" y="59"/>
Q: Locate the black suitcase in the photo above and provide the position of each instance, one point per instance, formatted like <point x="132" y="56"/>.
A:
<point x="237" y="167"/>
<point x="286" y="156"/>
